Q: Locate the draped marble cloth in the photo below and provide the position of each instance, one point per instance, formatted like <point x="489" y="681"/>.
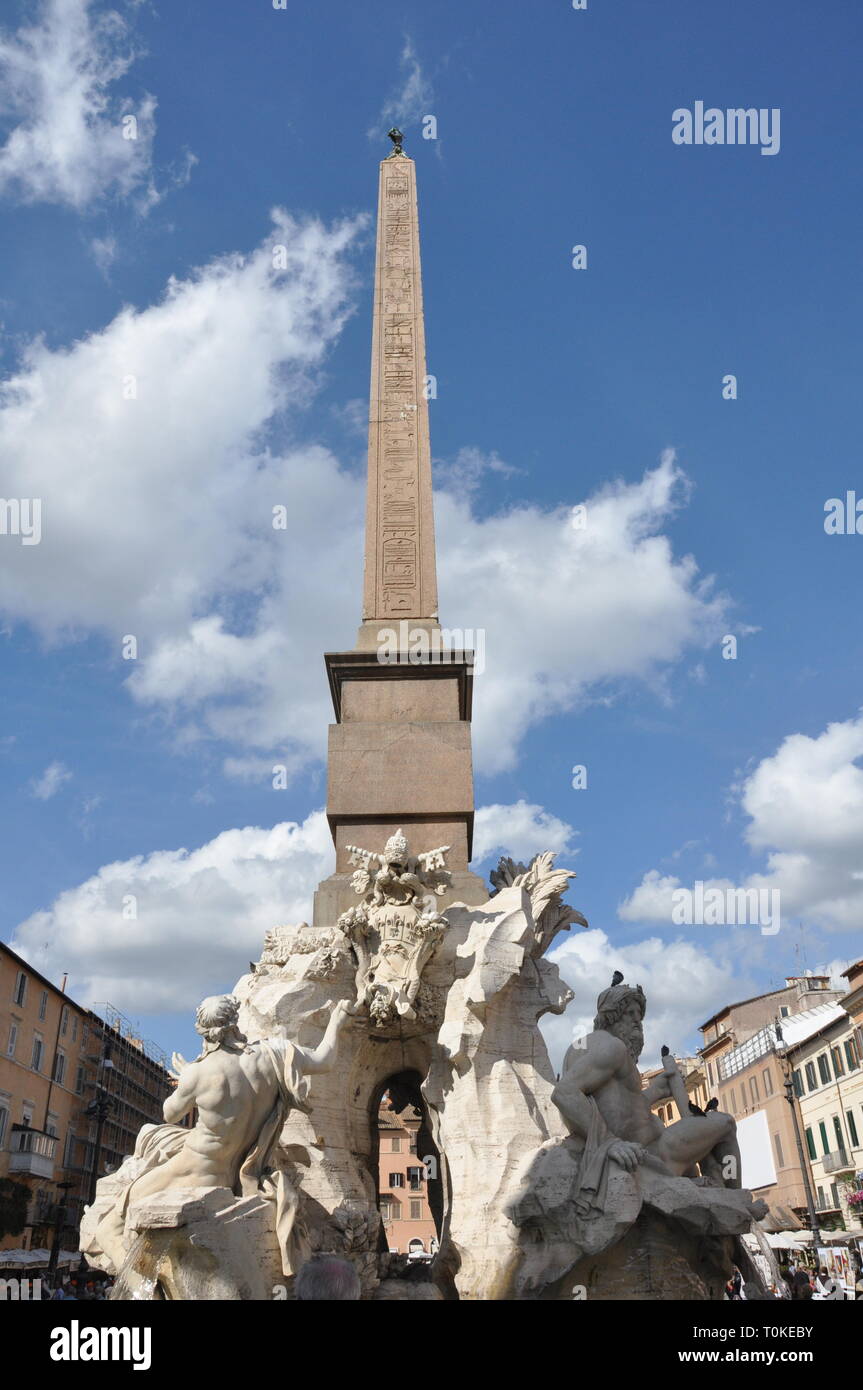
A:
<point x="256" y="1175"/>
<point x="157" y="1143"/>
<point x="589" y="1190"/>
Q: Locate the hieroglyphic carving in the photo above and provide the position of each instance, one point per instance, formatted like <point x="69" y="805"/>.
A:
<point x="399" y="468"/>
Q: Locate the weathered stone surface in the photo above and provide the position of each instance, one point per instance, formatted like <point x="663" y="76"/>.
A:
<point x="400" y="579"/>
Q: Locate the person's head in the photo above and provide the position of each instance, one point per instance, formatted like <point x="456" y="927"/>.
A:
<point x="620" y="1011"/>
<point x="328" y="1277"/>
<point x="216" y="1021"/>
<point x="824" y="1274"/>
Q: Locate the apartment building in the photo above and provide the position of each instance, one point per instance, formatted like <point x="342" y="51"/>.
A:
<point x="403" y="1183"/>
<point x="747" y="1068"/>
<point x="827" y="1075"/>
<point x="693" y="1073"/>
<point x="60" y="1063"/>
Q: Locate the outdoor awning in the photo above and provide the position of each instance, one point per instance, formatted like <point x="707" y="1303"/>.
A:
<point x="34" y="1259"/>
<point x="788" y="1240"/>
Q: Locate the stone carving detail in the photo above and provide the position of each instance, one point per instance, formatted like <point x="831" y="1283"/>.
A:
<point x="396" y="929"/>
<point x="582" y="1194"/>
<point x="400" y="578"/>
<point x="283" y="942"/>
<point x="545" y="884"/>
<point x="243" y="1093"/>
<point x="490" y="1083"/>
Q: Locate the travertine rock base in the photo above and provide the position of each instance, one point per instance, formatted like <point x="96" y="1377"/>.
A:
<point x="655" y="1261"/>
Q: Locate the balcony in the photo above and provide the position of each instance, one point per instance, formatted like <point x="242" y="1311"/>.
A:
<point x="837" y="1162"/>
<point x="31" y="1152"/>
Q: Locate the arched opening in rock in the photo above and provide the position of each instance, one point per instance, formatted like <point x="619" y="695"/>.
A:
<point x="407" y="1168"/>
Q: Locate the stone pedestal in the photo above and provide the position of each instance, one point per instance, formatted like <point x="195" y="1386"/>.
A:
<point x="655" y="1261"/>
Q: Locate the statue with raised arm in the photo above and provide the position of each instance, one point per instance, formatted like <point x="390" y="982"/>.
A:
<point x="620" y="1166"/>
<point x="242" y="1093"/>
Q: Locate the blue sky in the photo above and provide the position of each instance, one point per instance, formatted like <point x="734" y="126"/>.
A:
<point x="555" y="386"/>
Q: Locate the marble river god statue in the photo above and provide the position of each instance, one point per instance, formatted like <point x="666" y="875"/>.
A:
<point x="242" y="1093"/>
<point x="623" y="1186"/>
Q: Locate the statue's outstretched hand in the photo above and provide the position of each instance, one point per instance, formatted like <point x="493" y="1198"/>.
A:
<point x="178" y="1065"/>
<point x="626" y="1154"/>
<point x="669" y="1065"/>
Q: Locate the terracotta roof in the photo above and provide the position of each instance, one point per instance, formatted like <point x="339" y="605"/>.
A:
<point x="388" y="1118"/>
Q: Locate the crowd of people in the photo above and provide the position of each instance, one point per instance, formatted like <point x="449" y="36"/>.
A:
<point x="797" y="1283"/>
<point x="92" y="1287"/>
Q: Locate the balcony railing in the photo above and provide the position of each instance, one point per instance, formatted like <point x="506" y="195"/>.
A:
<point x="836" y="1162"/>
<point x="32" y="1151"/>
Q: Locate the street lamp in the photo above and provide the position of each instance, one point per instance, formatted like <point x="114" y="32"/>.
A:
<point x="59" y="1223"/>
<point x="98" y="1110"/>
<point x="791" y="1097"/>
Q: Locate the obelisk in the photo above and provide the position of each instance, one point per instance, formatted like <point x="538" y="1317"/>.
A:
<point x="400" y="573"/>
<point x="399" y="753"/>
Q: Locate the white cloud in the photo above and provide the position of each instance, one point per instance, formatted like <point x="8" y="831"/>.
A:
<point x="804" y="805"/>
<point x="159" y="447"/>
<point x="66" y="143"/>
<point x="520" y="830"/>
<point x="104" y="251"/>
<point x="668" y="971"/>
<point x="467" y="470"/>
<point x="201" y="916"/>
<point x="51" y="781"/>
<point x="411" y="100"/>
<point x="569" y="613"/>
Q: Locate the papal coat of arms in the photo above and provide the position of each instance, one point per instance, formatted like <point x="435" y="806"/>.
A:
<point x="396" y="928"/>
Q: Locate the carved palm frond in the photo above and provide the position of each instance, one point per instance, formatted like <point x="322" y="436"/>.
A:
<point x="545" y="884"/>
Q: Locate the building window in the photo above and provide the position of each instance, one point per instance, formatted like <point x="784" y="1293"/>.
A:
<point x="823" y="1068"/>
<point x="79" y="1082"/>
<point x="837" y="1130"/>
<point x="797" y="1079"/>
<point x="852" y="1128"/>
<point x="753" y="1089"/>
<point x="710" y="1073"/>
<point x="13" y="1038"/>
<point x="43" y="1004"/>
<point x="59" y="1067"/>
<point x="416" y="1209"/>
<point x="69" y="1151"/>
<point x="733" y="1101"/>
<point x="834" y="1195"/>
<point x="4" y="1121"/>
<point x="64" y="1021"/>
<point x="810" y="1144"/>
<point x="810" y="1076"/>
<point x="768" y="1083"/>
<point x="783" y="1011"/>
<point x="397" y="1144"/>
<point x="819" y="1193"/>
<point x="777" y="1144"/>
<point x="823" y="1131"/>
<point x="397" y="1179"/>
<point x="412" y="1144"/>
<point x="20" y="989"/>
<point x="851" y="1054"/>
<point x="36" y="1059"/>
<point x="415" y="1178"/>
